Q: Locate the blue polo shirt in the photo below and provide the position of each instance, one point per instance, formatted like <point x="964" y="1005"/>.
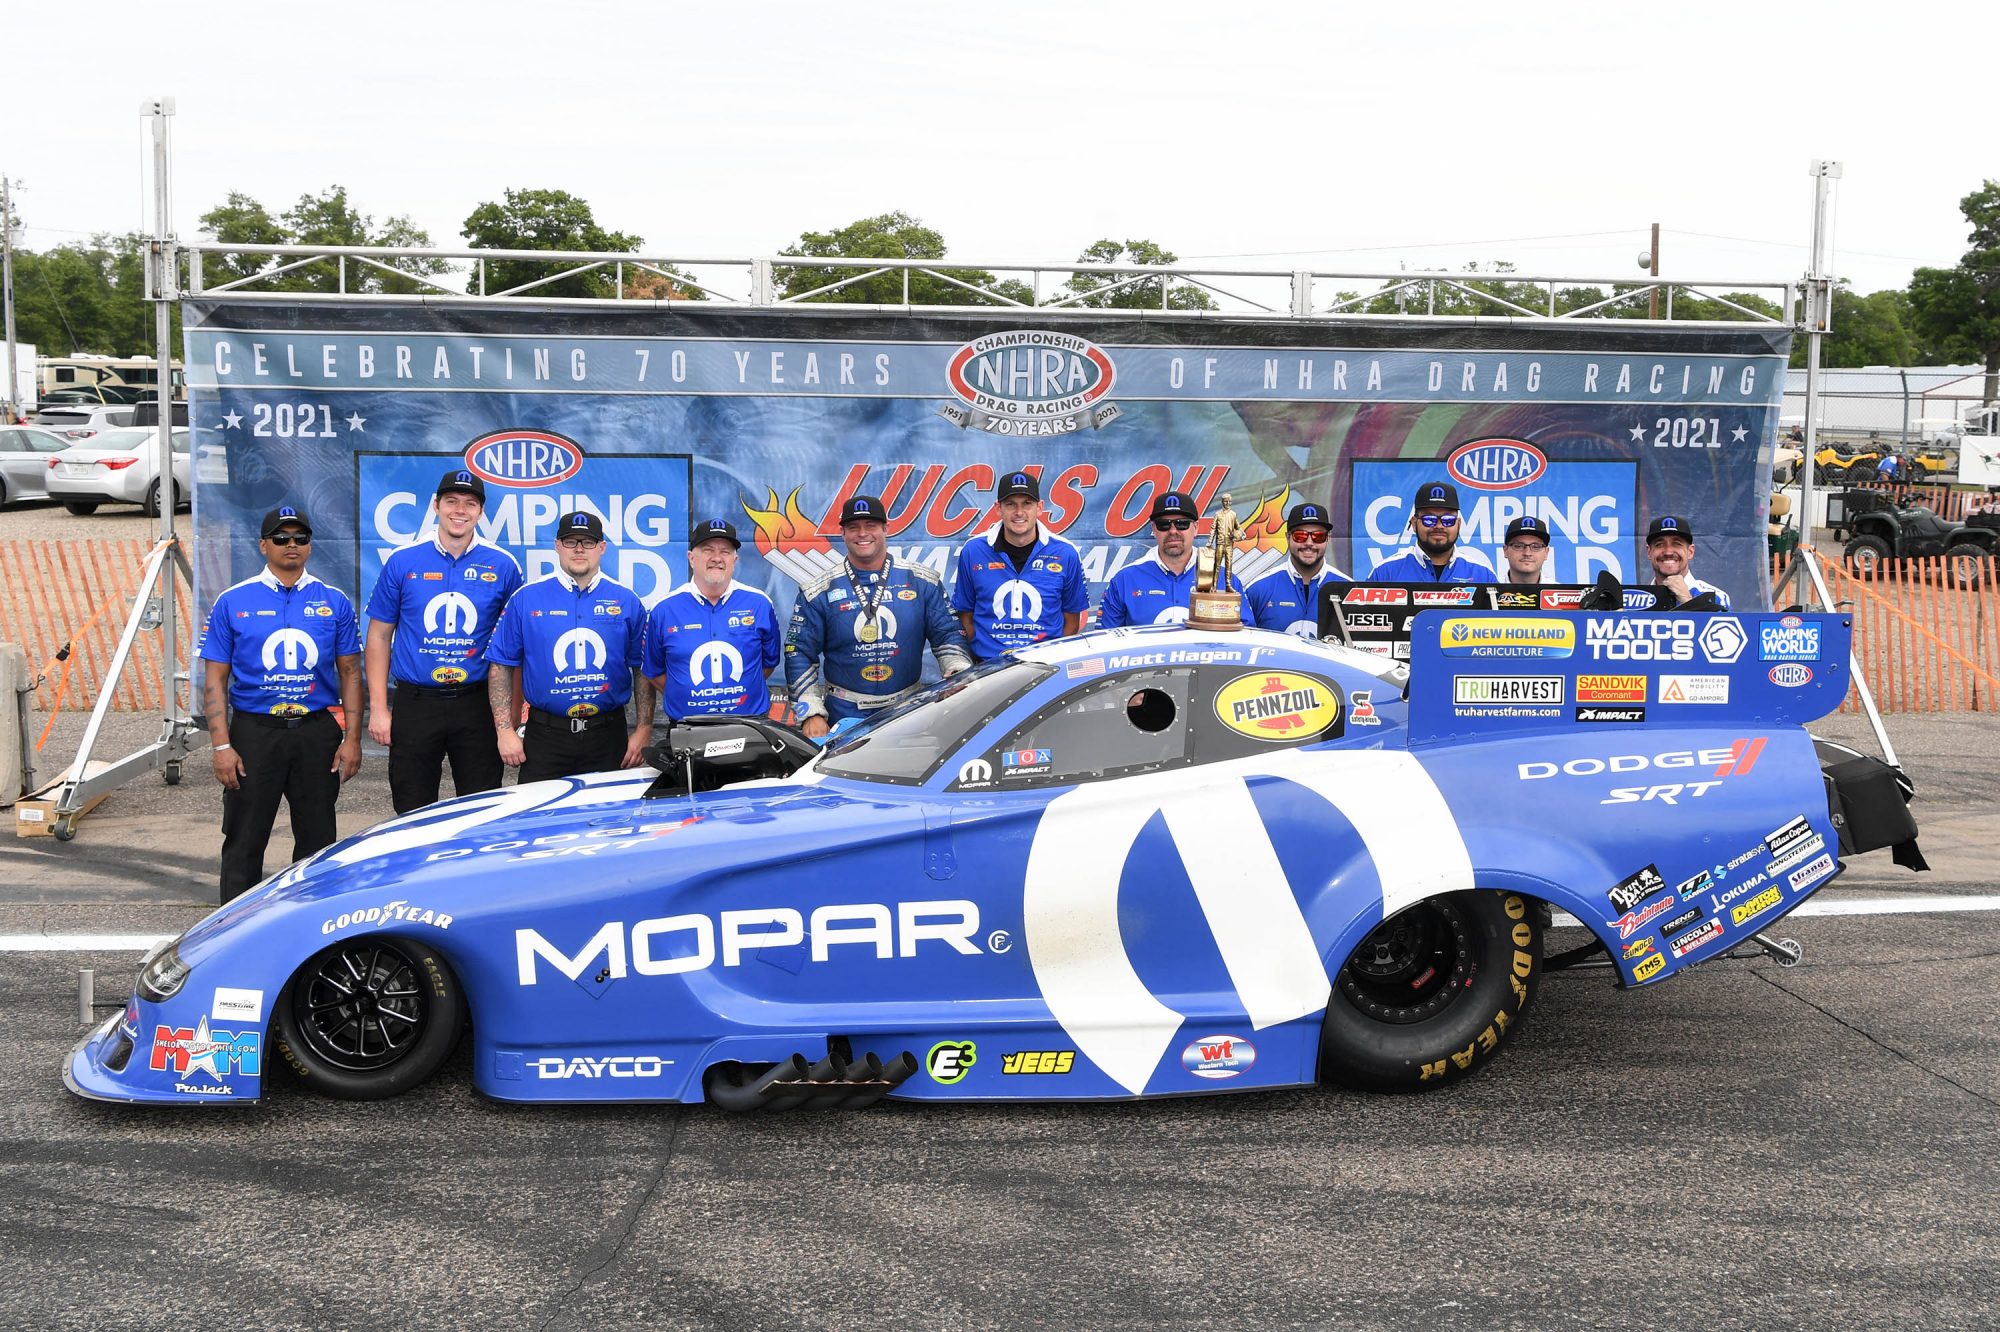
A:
<point x="1012" y="607"/>
<point x="281" y="643"/>
<point x="1413" y="566"/>
<point x="712" y="656"/>
<point x="577" y="647"/>
<point x="443" y="608"/>
<point x="1283" y="601"/>
<point x="1146" y="592"/>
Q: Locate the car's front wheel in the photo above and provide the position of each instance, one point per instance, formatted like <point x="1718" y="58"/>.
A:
<point x="1433" y="992"/>
<point x="370" y="1017"/>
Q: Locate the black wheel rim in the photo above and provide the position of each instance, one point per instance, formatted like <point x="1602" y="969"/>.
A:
<point x="1413" y="966"/>
<point x="359" y="1005"/>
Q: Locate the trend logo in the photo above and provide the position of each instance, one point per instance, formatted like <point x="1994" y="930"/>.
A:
<point x="580" y="650"/>
<point x="300" y="653"/>
<point x="451" y="613"/>
<point x="712" y="660"/>
<point x="1017" y="599"/>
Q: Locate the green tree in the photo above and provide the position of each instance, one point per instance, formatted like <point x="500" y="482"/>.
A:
<point x="1867" y="330"/>
<point x="326" y="218"/>
<point x="1101" y="291"/>
<point x="543" y="220"/>
<point x="1956" y="311"/>
<point x="239" y="220"/>
<point x="894" y="235"/>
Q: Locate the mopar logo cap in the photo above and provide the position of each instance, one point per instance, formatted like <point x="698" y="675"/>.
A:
<point x="1020" y="483"/>
<point x="462" y="482"/>
<point x="286" y="513"/>
<point x="863" y="508"/>
<point x="1307" y="515"/>
<point x="1669" y="525"/>
<point x="580" y="525"/>
<point x="1173" y="504"/>
<point x="1437" y="495"/>
<point x="714" y="527"/>
<point x="1526" y="525"/>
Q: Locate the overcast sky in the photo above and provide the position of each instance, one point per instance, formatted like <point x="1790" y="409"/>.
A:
<point x="1354" y="138"/>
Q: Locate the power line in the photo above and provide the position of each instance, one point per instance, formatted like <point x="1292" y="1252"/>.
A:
<point x="1424" y="245"/>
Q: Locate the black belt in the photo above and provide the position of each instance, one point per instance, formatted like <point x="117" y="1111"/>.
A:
<point x="576" y="724"/>
<point x="281" y="723"/>
<point x="441" y="691"/>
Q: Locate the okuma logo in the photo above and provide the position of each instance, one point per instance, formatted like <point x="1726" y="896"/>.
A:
<point x="523" y="459"/>
<point x="974" y="771"/>
<point x="450" y="613"/>
<point x="715" y="662"/>
<point x="294" y="647"/>
<point x="1030" y="382"/>
<point x="1017" y="599"/>
<point x="580" y="650"/>
<point x="1496" y="464"/>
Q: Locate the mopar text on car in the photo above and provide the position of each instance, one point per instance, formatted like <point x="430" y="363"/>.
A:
<point x="1133" y="863"/>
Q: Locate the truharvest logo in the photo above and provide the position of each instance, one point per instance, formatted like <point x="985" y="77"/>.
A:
<point x="1030" y="383"/>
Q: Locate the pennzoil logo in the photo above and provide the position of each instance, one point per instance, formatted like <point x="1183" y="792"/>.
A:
<point x="1280" y="707"/>
<point x="1030" y="383"/>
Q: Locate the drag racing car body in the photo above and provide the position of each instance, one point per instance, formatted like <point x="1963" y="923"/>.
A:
<point x="1136" y="862"/>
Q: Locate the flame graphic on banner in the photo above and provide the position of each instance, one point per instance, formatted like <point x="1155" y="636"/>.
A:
<point x="1262" y="548"/>
<point x="789" y="539"/>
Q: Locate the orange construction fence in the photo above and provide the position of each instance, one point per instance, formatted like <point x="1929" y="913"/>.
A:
<point x="78" y="594"/>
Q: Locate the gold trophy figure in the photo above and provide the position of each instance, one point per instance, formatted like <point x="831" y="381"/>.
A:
<point x="1214" y="604"/>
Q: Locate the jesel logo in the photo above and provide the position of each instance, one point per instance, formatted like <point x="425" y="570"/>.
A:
<point x="580" y="650"/>
<point x="523" y="458"/>
<point x="1017" y="599"/>
<point x="1496" y="464"/>
<point x="294" y="646"/>
<point x="1277" y="706"/>
<point x="1031" y="383"/>
<point x="450" y="613"/>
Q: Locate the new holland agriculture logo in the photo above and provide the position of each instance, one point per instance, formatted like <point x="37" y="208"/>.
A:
<point x="1030" y="383"/>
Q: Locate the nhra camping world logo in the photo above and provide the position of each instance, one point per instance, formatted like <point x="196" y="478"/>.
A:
<point x="1030" y="383"/>
<point x="523" y="459"/>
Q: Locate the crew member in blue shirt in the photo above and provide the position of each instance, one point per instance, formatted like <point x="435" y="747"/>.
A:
<point x="711" y="641"/>
<point x="281" y="650"/>
<point x="1018" y="582"/>
<point x="430" y="616"/>
<point x="1154" y="588"/>
<point x="867" y="621"/>
<point x="1436" y="559"/>
<point x="1670" y="546"/>
<point x="1287" y="598"/>
<point x="569" y="645"/>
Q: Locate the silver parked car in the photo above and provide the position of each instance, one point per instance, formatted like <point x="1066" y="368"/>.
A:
<point x="24" y="462"/>
<point x="77" y="423"/>
<point x="117" y="467"/>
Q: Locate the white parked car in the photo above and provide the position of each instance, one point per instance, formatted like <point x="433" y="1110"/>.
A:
<point x="24" y="462"/>
<point x="117" y="467"/>
<point x="81" y="422"/>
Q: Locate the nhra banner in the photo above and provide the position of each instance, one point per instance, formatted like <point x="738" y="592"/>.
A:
<point x="657" y="418"/>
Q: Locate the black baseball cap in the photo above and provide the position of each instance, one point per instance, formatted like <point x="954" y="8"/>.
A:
<point x="580" y="525"/>
<point x="1020" y="483"/>
<point x="286" y="513"/>
<point x="1436" y="495"/>
<point x="1668" y="524"/>
<point x="863" y="506"/>
<point x="1308" y="515"/>
<point x="714" y="527"/>
<point x="462" y="482"/>
<point x="1527" y="525"/>
<point x="1174" y="504"/>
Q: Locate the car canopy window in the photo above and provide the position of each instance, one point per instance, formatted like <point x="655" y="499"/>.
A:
<point x="1131" y="723"/>
<point x="905" y="744"/>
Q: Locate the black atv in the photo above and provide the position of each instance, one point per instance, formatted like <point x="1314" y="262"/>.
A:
<point x="1882" y="532"/>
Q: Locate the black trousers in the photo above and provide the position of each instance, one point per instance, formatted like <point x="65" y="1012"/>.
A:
<point x="424" y="730"/>
<point x="556" y="751"/>
<point x="293" y="765"/>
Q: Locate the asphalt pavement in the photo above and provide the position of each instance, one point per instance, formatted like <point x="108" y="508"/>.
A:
<point x="1746" y="1146"/>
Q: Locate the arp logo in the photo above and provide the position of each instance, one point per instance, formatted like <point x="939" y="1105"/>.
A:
<point x="1374" y="596"/>
<point x="1496" y="464"/>
<point x="523" y="459"/>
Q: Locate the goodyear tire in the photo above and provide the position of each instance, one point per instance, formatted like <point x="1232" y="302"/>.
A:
<point x="368" y="1018"/>
<point x="1433" y="993"/>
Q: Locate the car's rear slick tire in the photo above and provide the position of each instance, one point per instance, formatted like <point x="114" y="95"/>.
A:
<point x="325" y="1040"/>
<point x="1434" y="993"/>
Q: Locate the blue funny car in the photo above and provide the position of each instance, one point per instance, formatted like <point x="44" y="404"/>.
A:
<point x="1138" y="862"/>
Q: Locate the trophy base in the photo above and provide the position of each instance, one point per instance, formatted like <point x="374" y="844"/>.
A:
<point x="1217" y="612"/>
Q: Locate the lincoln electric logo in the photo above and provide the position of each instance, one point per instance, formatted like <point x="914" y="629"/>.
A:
<point x="1030" y="383"/>
<point x="1496" y="464"/>
<point x="523" y="459"/>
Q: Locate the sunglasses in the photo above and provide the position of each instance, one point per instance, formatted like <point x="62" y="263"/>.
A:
<point x="290" y="538"/>
<point x="1438" y="519"/>
<point x="1310" y="538"/>
<point x="1174" y="524"/>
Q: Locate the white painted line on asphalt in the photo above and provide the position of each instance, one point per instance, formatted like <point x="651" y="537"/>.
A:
<point x="1922" y="904"/>
<point x="80" y="943"/>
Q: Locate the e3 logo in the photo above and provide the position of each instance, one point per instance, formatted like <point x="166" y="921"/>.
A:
<point x="950" y="1061"/>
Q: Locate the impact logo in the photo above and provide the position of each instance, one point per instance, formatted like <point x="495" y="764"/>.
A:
<point x="1030" y="383"/>
<point x="1496" y="464"/>
<point x="523" y="459"/>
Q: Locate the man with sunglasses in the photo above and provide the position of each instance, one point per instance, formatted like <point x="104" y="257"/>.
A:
<point x="1287" y="598"/>
<point x="280" y="651"/>
<point x="1436" y="558"/>
<point x="1154" y="588"/>
<point x="570" y="645"/>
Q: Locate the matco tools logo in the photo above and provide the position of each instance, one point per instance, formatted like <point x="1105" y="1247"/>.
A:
<point x="1030" y="383"/>
<point x="522" y="459"/>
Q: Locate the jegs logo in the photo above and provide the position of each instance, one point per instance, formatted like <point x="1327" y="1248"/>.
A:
<point x="1030" y="383"/>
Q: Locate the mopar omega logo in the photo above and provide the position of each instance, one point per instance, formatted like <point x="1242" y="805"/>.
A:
<point x="1030" y="382"/>
<point x="1496" y="464"/>
<point x="523" y="458"/>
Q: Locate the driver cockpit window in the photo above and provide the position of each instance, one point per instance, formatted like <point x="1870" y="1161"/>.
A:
<point x="1128" y="724"/>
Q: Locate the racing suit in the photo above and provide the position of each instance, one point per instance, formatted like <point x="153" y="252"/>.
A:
<point x="870" y="630"/>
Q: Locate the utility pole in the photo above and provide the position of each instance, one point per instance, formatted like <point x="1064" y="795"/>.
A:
<point x="7" y="285"/>
<point x="1653" y="301"/>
